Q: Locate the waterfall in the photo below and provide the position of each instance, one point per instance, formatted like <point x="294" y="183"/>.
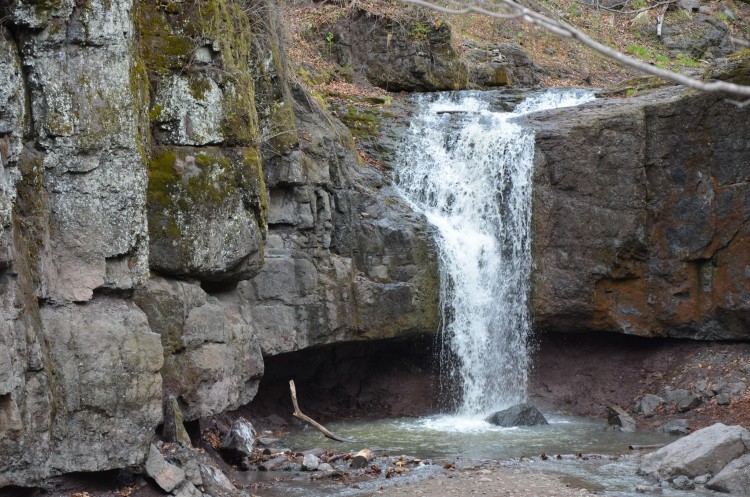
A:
<point x="468" y="169"/>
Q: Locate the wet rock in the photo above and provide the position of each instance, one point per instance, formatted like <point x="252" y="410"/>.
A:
<point x="273" y="464"/>
<point x="174" y="430"/>
<point x="239" y="440"/>
<point x="618" y="418"/>
<point x="702" y="479"/>
<point x="518" y="415"/>
<point x="704" y="451"/>
<point x="648" y="489"/>
<point x="675" y="427"/>
<point x="318" y="452"/>
<point x="266" y="441"/>
<point x="734" y="478"/>
<point x="311" y="462"/>
<point x="683" y="483"/>
<point x="187" y="489"/>
<point x="167" y="476"/>
<point x="648" y="404"/>
<point x="216" y="483"/>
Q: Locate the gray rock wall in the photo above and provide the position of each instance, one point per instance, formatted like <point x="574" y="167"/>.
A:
<point x="640" y="220"/>
<point x="172" y="210"/>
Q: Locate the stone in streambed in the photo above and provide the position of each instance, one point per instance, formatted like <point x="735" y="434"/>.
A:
<point x="215" y="482"/>
<point x="167" y="476"/>
<point x="311" y="462"/>
<point x="682" y="482"/>
<point x="704" y="451"/>
<point x="734" y="478"/>
<point x="620" y="420"/>
<point x="519" y="415"/>
<point x="238" y="442"/>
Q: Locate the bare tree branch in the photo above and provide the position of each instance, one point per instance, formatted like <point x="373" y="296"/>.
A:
<point x="740" y="41"/>
<point x="512" y="9"/>
<point x="628" y="12"/>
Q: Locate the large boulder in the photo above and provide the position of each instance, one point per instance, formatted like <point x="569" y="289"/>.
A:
<point x="705" y="451"/>
<point x="734" y="478"/>
<point x="518" y="415"/>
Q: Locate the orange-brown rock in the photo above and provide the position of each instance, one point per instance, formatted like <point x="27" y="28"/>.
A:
<point x="640" y="217"/>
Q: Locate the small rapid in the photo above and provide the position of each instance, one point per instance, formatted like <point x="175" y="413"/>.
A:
<point x="468" y="168"/>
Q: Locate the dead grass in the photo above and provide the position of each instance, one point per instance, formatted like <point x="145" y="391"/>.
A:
<point x="308" y="27"/>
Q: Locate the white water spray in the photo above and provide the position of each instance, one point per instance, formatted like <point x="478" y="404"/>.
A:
<point x="468" y="169"/>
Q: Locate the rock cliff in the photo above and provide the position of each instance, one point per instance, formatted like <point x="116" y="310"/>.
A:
<point x="640" y="217"/>
<point x="173" y="209"/>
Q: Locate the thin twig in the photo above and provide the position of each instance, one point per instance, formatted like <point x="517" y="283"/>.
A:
<point x="630" y="12"/>
<point x="298" y="414"/>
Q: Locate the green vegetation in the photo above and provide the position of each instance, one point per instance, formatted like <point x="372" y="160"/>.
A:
<point x="638" y="51"/>
<point x="686" y="61"/>
<point x="420" y="31"/>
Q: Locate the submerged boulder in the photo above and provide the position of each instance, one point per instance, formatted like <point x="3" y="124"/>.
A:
<point x="705" y="451"/>
<point x="519" y="415"/>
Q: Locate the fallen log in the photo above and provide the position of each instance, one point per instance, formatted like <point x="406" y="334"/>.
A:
<point x="361" y="458"/>
<point x="645" y="447"/>
<point x="307" y="419"/>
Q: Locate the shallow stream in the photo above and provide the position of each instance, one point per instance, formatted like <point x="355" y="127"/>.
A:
<point x="607" y="466"/>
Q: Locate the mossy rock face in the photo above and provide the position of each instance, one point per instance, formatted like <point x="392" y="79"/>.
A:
<point x="212" y="38"/>
<point x="35" y="13"/>
<point x="416" y="56"/>
<point x="735" y="68"/>
<point x="206" y="211"/>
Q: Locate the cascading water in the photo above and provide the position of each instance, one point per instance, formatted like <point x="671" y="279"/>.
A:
<point x="468" y="169"/>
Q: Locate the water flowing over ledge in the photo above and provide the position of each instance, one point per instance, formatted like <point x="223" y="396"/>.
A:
<point x="467" y="168"/>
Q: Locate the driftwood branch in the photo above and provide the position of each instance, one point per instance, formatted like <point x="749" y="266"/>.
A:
<point x="307" y="419"/>
<point x="511" y="9"/>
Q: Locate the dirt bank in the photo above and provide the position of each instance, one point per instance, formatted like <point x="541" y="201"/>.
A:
<point x="582" y="374"/>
